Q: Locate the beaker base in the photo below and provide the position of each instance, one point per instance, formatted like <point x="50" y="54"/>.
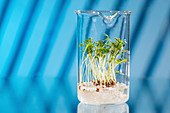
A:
<point x="97" y="95"/>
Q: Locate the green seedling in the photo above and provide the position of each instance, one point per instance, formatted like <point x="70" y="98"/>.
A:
<point x="100" y="58"/>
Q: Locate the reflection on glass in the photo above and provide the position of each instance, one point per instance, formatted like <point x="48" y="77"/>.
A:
<point x="110" y="108"/>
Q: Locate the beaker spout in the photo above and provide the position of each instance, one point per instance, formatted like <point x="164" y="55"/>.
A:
<point x="108" y="19"/>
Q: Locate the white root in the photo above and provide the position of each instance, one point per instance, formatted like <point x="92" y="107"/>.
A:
<point x="101" y="69"/>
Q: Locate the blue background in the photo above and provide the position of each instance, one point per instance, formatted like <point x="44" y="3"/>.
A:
<point x="38" y="39"/>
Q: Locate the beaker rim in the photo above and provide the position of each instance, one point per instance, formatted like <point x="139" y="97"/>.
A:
<point x="102" y="11"/>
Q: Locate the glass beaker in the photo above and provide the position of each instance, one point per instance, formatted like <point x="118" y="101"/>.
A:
<point x="103" y="56"/>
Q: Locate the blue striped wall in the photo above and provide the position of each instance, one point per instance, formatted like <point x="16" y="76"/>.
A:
<point x="38" y="37"/>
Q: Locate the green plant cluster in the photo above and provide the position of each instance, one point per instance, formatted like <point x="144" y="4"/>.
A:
<point x="100" y="58"/>
<point x="101" y="49"/>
